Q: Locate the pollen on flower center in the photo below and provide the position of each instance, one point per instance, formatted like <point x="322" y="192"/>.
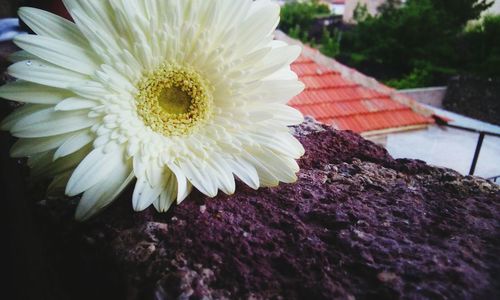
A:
<point x="173" y="100"/>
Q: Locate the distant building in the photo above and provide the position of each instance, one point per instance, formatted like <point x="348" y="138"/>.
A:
<point x="337" y="7"/>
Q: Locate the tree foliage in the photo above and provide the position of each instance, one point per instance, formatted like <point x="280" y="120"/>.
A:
<point x="416" y="44"/>
<point x="480" y="48"/>
<point x="301" y="19"/>
<point x="300" y="16"/>
<point x="420" y="43"/>
<point x="330" y="42"/>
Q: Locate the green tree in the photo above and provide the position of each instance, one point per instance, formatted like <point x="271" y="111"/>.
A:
<point x="297" y="18"/>
<point x="480" y="47"/>
<point x="360" y="13"/>
<point x="414" y="44"/>
<point x="330" y="42"/>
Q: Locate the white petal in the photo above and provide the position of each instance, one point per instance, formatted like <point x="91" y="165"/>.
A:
<point x="45" y="73"/>
<point x="200" y="177"/>
<point x="102" y="194"/>
<point x="258" y="5"/>
<point x="224" y="175"/>
<point x="284" y="73"/>
<point x="238" y="13"/>
<point x="286" y="114"/>
<point x="50" y="25"/>
<point x="139" y="167"/>
<point x="188" y="190"/>
<point x="74" y="143"/>
<point x="277" y="59"/>
<point x="285" y="54"/>
<point x="48" y="122"/>
<point x="20" y="113"/>
<point x="99" y="37"/>
<point x="282" y="167"/>
<point x="251" y="59"/>
<point x="47" y="168"/>
<point x="261" y="22"/>
<point x="20" y="56"/>
<point x="279" y="91"/>
<point x="278" y="43"/>
<point x="89" y="90"/>
<point x="266" y="176"/>
<point x="145" y="194"/>
<point x="245" y="171"/>
<point x="94" y="168"/>
<point x="118" y="80"/>
<point x="168" y="195"/>
<point x="75" y="103"/>
<point x="59" y="53"/>
<point x="283" y="143"/>
<point x="98" y="11"/>
<point x="155" y="174"/>
<point x="183" y="187"/>
<point x="28" y="147"/>
<point x="28" y="92"/>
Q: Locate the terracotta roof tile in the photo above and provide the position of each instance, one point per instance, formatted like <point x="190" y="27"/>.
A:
<point x="333" y="99"/>
<point x="308" y="68"/>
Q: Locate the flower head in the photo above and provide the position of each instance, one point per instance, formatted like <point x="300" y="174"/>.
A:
<point x="169" y="93"/>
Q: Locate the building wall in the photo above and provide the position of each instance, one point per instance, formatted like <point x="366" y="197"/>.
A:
<point x="338" y="9"/>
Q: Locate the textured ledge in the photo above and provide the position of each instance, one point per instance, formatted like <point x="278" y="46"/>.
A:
<point x="358" y="224"/>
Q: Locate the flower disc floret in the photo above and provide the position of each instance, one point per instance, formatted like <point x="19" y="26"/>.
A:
<point x="174" y="100"/>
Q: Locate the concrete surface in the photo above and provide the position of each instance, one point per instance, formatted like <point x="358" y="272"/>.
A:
<point x="448" y="147"/>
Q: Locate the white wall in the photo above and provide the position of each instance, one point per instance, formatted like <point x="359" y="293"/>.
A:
<point x="338" y="9"/>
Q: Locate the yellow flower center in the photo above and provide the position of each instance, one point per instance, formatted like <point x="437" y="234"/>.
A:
<point x="173" y="100"/>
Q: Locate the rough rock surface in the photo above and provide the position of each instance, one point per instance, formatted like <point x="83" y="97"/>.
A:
<point x="357" y="225"/>
<point x="475" y="97"/>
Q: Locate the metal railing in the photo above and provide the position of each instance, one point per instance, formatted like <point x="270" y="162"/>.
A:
<point x="482" y="134"/>
<point x="494" y="179"/>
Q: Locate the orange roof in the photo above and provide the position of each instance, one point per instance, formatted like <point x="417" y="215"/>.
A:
<point x="349" y="100"/>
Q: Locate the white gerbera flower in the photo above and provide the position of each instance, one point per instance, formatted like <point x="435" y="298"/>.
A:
<point x="173" y="93"/>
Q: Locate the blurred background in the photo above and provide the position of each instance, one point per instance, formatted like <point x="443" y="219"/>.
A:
<point x="8" y="8"/>
<point x="405" y="44"/>
<point x="441" y="57"/>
